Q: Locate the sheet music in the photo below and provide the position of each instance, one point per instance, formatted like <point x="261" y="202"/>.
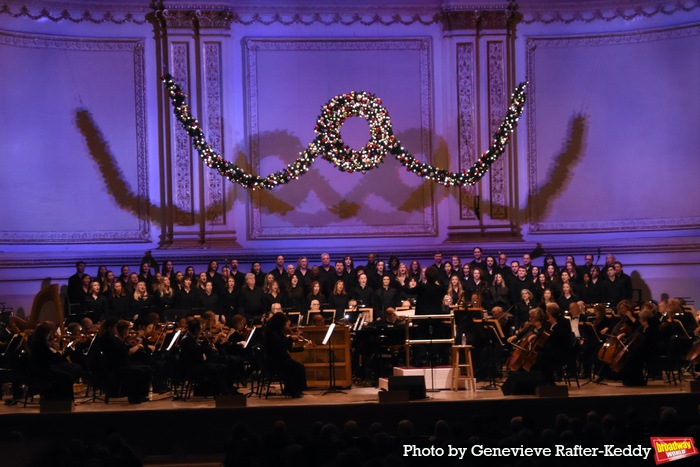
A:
<point x="174" y="339"/>
<point x="328" y="334"/>
<point x="250" y="336"/>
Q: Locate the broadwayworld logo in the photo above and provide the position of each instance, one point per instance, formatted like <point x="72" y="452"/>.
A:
<point x="673" y="449"/>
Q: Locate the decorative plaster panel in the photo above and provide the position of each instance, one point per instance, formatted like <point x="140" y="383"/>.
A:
<point x="498" y="104"/>
<point x="213" y="99"/>
<point x="466" y="102"/>
<point x="629" y="113"/>
<point x="288" y="82"/>
<point x="82" y="125"/>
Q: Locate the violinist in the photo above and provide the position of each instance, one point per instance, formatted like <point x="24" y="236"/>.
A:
<point x="199" y="361"/>
<point x="239" y="335"/>
<point x="50" y="366"/>
<point x="119" y="348"/>
<point x="278" y="344"/>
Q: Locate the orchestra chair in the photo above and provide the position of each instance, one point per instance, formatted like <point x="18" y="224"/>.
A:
<point x="467" y="365"/>
<point x="261" y="378"/>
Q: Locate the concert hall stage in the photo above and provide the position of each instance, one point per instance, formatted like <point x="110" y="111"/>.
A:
<point x="164" y="429"/>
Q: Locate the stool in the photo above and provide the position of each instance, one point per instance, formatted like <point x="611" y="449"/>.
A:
<point x="467" y="365"/>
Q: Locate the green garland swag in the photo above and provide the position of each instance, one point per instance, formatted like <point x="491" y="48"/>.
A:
<point x="330" y="145"/>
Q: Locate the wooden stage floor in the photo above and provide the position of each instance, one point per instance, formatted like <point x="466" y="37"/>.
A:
<point x="166" y="432"/>
<point x="355" y="395"/>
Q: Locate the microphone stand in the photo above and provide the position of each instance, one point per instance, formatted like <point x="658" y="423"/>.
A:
<point x="431" y="356"/>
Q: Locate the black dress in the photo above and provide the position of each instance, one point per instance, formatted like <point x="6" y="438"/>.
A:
<point x="278" y="360"/>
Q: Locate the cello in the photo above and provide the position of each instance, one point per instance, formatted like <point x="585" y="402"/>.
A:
<point x="613" y="345"/>
<point x="532" y="339"/>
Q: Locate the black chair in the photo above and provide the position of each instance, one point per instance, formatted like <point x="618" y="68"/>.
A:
<point x="262" y="379"/>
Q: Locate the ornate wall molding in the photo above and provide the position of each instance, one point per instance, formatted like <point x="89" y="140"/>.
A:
<point x="474" y="17"/>
<point x="136" y="48"/>
<point x="498" y="103"/>
<point x="182" y="149"/>
<point x="533" y="44"/>
<point x="600" y="10"/>
<point x="422" y="45"/>
<point x="466" y="104"/>
<point x="213" y="101"/>
<point x="79" y="12"/>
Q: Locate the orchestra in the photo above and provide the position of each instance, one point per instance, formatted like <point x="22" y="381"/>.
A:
<point x="138" y="329"/>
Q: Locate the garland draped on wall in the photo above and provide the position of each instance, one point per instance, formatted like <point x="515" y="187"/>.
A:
<point x="329" y="144"/>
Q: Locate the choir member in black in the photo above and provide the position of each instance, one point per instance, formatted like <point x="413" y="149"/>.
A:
<point x="130" y="286"/>
<point x="279" y="272"/>
<point x="552" y="274"/>
<point x="498" y="295"/>
<point x="596" y="286"/>
<point x="229" y="299"/>
<point x="81" y="294"/>
<point x="539" y="286"/>
<point x="258" y="274"/>
<point x="118" y="348"/>
<point x="75" y="285"/>
<point x="125" y="271"/>
<point x="95" y="304"/>
<point x="519" y="282"/>
<point x="613" y="288"/>
<point x="414" y="270"/>
<point x="315" y="293"/>
<point x="239" y="276"/>
<point x="456" y="292"/>
<point x="626" y="281"/>
<point x="214" y="276"/>
<point x="363" y="293"/>
<point x="386" y="297"/>
<point x="567" y="296"/>
<point x="199" y="362"/>
<point x="296" y="299"/>
<point x="273" y="295"/>
<point x="465" y="276"/>
<point x="278" y="344"/>
<point x="208" y="299"/>
<point x="446" y="273"/>
<point x="106" y="285"/>
<point x="201" y="284"/>
<point x="142" y="303"/>
<point x="186" y="299"/>
<point x="168" y="270"/>
<point x="523" y="307"/>
<point x="251" y="304"/>
<point x="49" y="366"/>
<point x="165" y="298"/>
<point x="339" y="299"/>
<point x="489" y="273"/>
<point x="477" y="285"/>
<point x="119" y="303"/>
<point x="145" y="275"/>
<point x="189" y="271"/>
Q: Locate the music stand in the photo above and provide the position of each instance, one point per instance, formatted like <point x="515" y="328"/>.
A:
<point x="496" y="342"/>
<point x="328" y="340"/>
